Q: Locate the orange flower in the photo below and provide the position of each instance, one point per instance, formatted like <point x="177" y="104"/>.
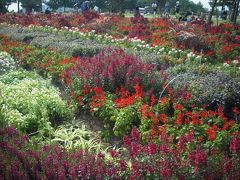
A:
<point x="164" y="101"/>
<point x="212" y="134"/>
<point x="201" y="139"/>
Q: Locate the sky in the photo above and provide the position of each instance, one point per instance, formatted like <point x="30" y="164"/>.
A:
<point x="204" y="2"/>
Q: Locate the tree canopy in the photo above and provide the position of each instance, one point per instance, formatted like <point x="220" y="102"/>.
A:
<point x="3" y="4"/>
<point x="32" y="4"/>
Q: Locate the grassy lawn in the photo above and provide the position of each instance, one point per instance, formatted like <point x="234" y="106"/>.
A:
<point x="216" y="22"/>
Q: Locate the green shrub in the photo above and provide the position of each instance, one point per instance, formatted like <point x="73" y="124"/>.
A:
<point x="31" y="103"/>
<point x="212" y="89"/>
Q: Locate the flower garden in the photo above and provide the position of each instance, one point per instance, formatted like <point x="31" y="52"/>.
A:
<point x="165" y="95"/>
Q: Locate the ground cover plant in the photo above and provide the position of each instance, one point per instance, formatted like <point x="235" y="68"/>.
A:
<point x="170" y="128"/>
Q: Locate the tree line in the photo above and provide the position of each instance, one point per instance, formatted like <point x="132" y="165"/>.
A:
<point x="105" y="5"/>
<point x="122" y="5"/>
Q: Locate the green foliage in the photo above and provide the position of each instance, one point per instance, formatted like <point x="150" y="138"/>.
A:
<point x="31" y="103"/>
<point x="32" y="4"/>
<point x="3" y="4"/>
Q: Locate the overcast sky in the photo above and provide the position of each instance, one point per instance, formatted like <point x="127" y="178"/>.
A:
<point x="204" y="2"/>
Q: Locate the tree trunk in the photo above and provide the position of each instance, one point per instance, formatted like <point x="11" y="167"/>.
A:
<point x="211" y="12"/>
<point x="18" y="4"/>
<point x="235" y="11"/>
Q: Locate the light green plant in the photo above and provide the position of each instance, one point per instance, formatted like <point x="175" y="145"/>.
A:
<point x="76" y="135"/>
<point x="31" y="104"/>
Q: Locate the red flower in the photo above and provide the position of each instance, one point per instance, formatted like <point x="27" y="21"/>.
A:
<point x="179" y="107"/>
<point x="138" y="90"/>
<point x="212" y="134"/>
<point x="235" y="145"/>
<point x="210" y="53"/>
<point x="153" y="100"/>
<point x="195" y="120"/>
<point x="179" y="120"/>
<point x="80" y="100"/>
<point x="163" y="118"/>
<point x="235" y="110"/>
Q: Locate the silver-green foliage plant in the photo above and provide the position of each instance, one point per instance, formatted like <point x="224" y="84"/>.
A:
<point x="30" y="103"/>
<point x="7" y="63"/>
<point x="76" y="135"/>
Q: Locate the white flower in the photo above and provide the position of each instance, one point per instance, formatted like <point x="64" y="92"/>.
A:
<point x="226" y="64"/>
<point x="235" y="62"/>
<point x="189" y="55"/>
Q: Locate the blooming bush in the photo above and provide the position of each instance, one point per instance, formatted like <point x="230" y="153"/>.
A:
<point x="7" y="63"/>
<point x="112" y="69"/>
<point x="140" y="28"/>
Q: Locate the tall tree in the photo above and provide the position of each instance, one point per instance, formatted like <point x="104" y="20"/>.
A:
<point x="214" y="3"/>
<point x="3" y="4"/>
<point x="121" y="5"/>
<point x="235" y="11"/>
<point x="30" y="5"/>
<point x="55" y="4"/>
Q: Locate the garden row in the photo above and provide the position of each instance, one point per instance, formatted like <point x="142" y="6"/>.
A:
<point x="33" y="105"/>
<point x="125" y="92"/>
<point x="183" y="120"/>
<point x="196" y="36"/>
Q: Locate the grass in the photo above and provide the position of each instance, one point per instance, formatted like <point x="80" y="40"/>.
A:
<point x="215" y="21"/>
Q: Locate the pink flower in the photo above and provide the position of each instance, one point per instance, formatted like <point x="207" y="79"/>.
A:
<point x="235" y="145"/>
<point x="152" y="149"/>
<point x="127" y="141"/>
<point x="228" y="167"/>
<point x="164" y="148"/>
<point x="135" y="134"/>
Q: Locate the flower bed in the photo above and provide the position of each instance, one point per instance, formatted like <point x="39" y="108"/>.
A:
<point x="92" y="83"/>
<point x="177" y="136"/>
<point x="207" y="39"/>
<point x="21" y="160"/>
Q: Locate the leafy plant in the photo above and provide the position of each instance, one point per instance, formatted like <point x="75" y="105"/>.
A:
<point x="77" y="136"/>
<point x="31" y="103"/>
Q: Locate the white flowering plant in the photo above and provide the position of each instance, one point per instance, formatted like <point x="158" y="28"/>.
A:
<point x="7" y="63"/>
